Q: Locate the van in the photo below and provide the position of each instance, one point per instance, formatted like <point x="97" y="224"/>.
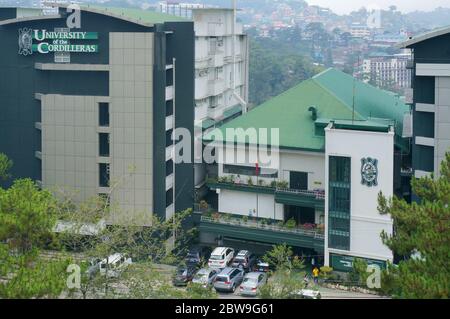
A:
<point x="114" y="265"/>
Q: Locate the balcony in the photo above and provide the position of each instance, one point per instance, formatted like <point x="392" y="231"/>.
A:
<point x="313" y="199"/>
<point x="283" y="195"/>
<point x="261" y="230"/>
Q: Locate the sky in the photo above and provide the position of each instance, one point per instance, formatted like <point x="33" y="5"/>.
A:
<point x="346" y="6"/>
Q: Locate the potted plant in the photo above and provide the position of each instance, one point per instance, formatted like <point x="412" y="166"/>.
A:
<point x="273" y="184"/>
<point x="245" y="219"/>
<point x="291" y="223"/>
<point x="261" y="182"/>
<point x="250" y="181"/>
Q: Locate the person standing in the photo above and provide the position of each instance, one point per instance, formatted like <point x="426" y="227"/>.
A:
<point x="316" y="275"/>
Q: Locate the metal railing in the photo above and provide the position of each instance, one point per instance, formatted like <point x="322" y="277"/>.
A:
<point x="315" y="194"/>
<point x="257" y="225"/>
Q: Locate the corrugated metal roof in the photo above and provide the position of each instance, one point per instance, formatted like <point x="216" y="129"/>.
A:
<point x="331" y="93"/>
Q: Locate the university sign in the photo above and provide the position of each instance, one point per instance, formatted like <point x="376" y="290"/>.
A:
<point x="54" y="41"/>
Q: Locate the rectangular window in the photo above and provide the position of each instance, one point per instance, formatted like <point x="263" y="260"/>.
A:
<point x="169" y="197"/>
<point x="103" y="175"/>
<point x="169" y="167"/>
<point x="339" y="202"/>
<point x="103" y="114"/>
<point x="169" y="77"/>
<point x="169" y="108"/>
<point x="103" y="145"/>
<point x="169" y="141"/>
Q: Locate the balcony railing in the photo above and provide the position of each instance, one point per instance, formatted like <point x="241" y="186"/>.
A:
<point x="234" y="221"/>
<point x="274" y="187"/>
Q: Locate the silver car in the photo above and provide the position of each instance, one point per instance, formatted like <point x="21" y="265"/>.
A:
<point x="229" y="279"/>
<point x="252" y="282"/>
<point x="205" y="277"/>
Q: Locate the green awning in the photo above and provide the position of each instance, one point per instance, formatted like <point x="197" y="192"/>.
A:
<point x="207" y="123"/>
<point x="232" y="111"/>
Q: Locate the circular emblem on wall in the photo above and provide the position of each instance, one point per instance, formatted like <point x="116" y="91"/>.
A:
<point x="369" y="171"/>
<point x="25" y="41"/>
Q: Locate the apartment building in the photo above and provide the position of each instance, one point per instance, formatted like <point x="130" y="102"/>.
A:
<point x="336" y="151"/>
<point x="91" y="110"/>
<point x="388" y="70"/>
<point x="221" y="75"/>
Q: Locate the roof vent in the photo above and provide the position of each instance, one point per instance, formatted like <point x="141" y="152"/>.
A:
<point x="313" y="111"/>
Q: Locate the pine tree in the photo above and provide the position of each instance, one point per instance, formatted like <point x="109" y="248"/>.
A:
<point x="422" y="235"/>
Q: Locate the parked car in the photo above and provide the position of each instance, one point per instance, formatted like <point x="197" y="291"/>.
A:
<point x="221" y="257"/>
<point x="261" y="266"/>
<point x="244" y="259"/>
<point x="114" y="265"/>
<point x="205" y="277"/>
<point x="183" y="275"/>
<point x="252" y="282"/>
<point x="197" y="255"/>
<point x="229" y="279"/>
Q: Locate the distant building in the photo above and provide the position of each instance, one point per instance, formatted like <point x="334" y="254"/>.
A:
<point x="430" y="100"/>
<point x="360" y="31"/>
<point x="387" y="71"/>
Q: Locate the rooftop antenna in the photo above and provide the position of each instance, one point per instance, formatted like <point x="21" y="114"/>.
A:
<point x="354" y="95"/>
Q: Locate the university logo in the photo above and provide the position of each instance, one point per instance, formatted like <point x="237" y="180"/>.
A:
<point x="25" y="41"/>
<point x="369" y="172"/>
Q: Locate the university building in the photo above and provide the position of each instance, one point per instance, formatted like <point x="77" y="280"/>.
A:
<point x="340" y="144"/>
<point x="430" y="100"/>
<point x="92" y="109"/>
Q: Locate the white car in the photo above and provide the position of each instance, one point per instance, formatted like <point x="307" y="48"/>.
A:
<point x="221" y="257"/>
<point x="114" y="265"/>
<point x="309" y="294"/>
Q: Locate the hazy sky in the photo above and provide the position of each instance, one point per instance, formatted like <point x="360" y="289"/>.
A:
<point x="345" y="6"/>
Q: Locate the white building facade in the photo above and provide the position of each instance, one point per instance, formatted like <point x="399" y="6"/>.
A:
<point x="359" y="165"/>
<point x="221" y="73"/>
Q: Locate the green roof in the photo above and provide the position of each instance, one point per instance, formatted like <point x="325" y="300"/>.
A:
<point x="331" y="93"/>
<point x="145" y="16"/>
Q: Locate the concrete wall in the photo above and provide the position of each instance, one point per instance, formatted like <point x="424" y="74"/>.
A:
<point x="442" y="121"/>
<point x="70" y="144"/>
<point x="131" y="115"/>
<point x="243" y="203"/>
<point x="366" y="223"/>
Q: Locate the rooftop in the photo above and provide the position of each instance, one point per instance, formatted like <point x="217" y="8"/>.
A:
<point x="331" y="94"/>
<point x="423" y="37"/>
<point x="139" y="16"/>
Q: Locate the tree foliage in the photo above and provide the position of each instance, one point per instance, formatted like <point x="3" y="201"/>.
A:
<point x="422" y="235"/>
<point x="5" y="166"/>
<point x="286" y="280"/>
<point x="273" y="71"/>
<point x="27" y="215"/>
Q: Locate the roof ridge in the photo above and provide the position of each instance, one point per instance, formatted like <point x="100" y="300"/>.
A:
<point x="332" y="93"/>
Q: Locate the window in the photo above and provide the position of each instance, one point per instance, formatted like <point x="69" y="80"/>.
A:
<point x="169" y="167"/>
<point x="339" y="202"/>
<point x="169" y="197"/>
<point x="103" y="114"/>
<point x="103" y="175"/>
<point x="103" y="144"/>
<point x="169" y="77"/>
<point x="169" y="108"/>
<point x="169" y="141"/>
